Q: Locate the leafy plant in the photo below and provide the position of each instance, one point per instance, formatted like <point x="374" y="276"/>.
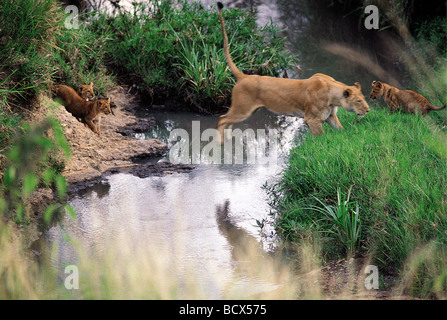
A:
<point x="28" y="168"/>
<point x="344" y="220"/>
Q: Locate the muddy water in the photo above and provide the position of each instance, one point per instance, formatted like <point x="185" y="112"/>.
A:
<point x="204" y="216"/>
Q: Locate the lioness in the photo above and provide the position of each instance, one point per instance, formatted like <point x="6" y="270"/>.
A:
<point x="80" y="108"/>
<point x="85" y="91"/>
<point x="407" y="100"/>
<point x="315" y="99"/>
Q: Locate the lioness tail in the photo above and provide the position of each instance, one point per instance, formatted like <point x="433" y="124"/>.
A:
<point x="236" y="72"/>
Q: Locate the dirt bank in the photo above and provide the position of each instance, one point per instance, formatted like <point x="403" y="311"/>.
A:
<point x="116" y="149"/>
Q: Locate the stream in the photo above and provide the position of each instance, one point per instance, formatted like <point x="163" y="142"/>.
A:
<point x="204" y="216"/>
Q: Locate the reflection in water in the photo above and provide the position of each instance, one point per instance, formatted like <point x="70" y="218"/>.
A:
<point x="205" y="219"/>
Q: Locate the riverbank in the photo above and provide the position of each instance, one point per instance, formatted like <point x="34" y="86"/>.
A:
<point x="376" y="189"/>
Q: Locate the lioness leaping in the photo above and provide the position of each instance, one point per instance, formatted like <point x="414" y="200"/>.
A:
<point x="405" y="100"/>
<point x="316" y="99"/>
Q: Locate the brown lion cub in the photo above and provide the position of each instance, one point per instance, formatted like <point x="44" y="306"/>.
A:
<point x="405" y="100"/>
<point x="80" y="108"/>
<point x="315" y="99"/>
<point x="85" y="91"/>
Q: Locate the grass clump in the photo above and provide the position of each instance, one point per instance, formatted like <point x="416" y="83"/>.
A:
<point x="28" y="32"/>
<point x="343" y="221"/>
<point x="82" y="56"/>
<point x="395" y="168"/>
<point x="166" y="47"/>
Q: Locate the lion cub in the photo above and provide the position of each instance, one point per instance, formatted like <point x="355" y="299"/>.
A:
<point x="406" y="100"/>
<point x="85" y="91"/>
<point x="80" y="108"/>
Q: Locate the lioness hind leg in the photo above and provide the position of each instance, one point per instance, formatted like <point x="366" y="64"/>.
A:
<point x="234" y="115"/>
<point x="225" y="122"/>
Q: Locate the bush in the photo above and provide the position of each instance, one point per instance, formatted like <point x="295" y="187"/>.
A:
<point x="29" y="166"/>
<point x="176" y="52"/>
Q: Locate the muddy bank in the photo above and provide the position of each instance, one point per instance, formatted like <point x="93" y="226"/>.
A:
<point x="94" y="157"/>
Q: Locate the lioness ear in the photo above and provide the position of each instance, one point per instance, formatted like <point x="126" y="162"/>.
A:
<point x="347" y="93"/>
<point x="379" y="84"/>
<point x="357" y="85"/>
<point x="108" y="100"/>
<point x="91" y="84"/>
<point x="373" y="82"/>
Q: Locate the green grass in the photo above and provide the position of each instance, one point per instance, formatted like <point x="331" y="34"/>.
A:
<point x="395" y="167"/>
<point x="342" y="220"/>
<point x="8" y="122"/>
<point x="27" y="47"/>
<point x="167" y="47"/>
<point x="82" y="59"/>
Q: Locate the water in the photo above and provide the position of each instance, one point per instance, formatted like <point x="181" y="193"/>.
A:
<point x="201" y="216"/>
<point x="204" y="216"/>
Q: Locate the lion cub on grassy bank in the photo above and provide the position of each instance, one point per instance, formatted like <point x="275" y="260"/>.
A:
<point x="405" y="100"/>
<point x="80" y="108"/>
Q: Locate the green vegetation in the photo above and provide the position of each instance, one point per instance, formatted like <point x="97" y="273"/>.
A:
<point x="394" y="166"/>
<point x="167" y="47"/>
<point x="9" y="122"/>
<point x="30" y="165"/>
<point x="342" y="219"/>
<point x="28" y="33"/>
<point x="376" y="189"/>
<point x="82" y="58"/>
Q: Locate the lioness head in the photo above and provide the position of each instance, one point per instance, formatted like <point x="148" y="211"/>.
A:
<point x="354" y="100"/>
<point x="85" y="91"/>
<point x="103" y="106"/>
<point x="377" y="89"/>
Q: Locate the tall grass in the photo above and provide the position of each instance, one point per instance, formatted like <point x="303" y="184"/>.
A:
<point x="166" y="47"/>
<point x="82" y="56"/>
<point x="343" y="219"/>
<point x="28" y="38"/>
<point x="396" y="165"/>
